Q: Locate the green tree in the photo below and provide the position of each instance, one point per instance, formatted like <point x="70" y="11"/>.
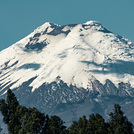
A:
<point x="119" y="123"/>
<point x="32" y="121"/>
<point x="55" y="126"/>
<point x="74" y="128"/>
<point x="79" y="127"/>
<point x="96" y="125"/>
<point x="8" y="110"/>
<point x="4" y="111"/>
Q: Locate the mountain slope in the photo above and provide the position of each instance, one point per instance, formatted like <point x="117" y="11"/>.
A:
<point x="87" y="51"/>
<point x="65" y="69"/>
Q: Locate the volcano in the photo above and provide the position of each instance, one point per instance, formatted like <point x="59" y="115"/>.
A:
<point x="70" y="70"/>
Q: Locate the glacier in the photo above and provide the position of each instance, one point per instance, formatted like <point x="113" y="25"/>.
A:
<point x="77" y="53"/>
<point x="70" y="70"/>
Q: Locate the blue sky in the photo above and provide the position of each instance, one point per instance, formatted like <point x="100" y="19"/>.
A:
<point x="18" y="18"/>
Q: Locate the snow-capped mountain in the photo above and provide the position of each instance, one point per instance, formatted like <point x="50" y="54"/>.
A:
<point x="70" y="70"/>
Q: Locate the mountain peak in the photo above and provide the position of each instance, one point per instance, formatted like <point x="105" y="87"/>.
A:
<point x="74" y="51"/>
<point x="92" y="22"/>
<point x="47" y="25"/>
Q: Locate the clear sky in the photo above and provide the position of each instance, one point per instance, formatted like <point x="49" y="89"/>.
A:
<point x="18" y="18"/>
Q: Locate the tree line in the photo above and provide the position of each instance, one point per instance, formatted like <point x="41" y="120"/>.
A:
<point x="22" y="120"/>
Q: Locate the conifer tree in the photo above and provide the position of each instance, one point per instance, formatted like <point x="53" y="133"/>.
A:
<point x="119" y="123"/>
<point x="79" y="127"/>
<point x="4" y="111"/>
<point x="96" y="125"/>
<point x="8" y="110"/>
<point x="55" y="126"/>
<point x="32" y="121"/>
<point x="82" y="123"/>
<point x="74" y="128"/>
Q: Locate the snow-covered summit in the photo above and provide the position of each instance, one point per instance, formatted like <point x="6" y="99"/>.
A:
<point x="47" y="25"/>
<point x="77" y="53"/>
<point x="91" y="22"/>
